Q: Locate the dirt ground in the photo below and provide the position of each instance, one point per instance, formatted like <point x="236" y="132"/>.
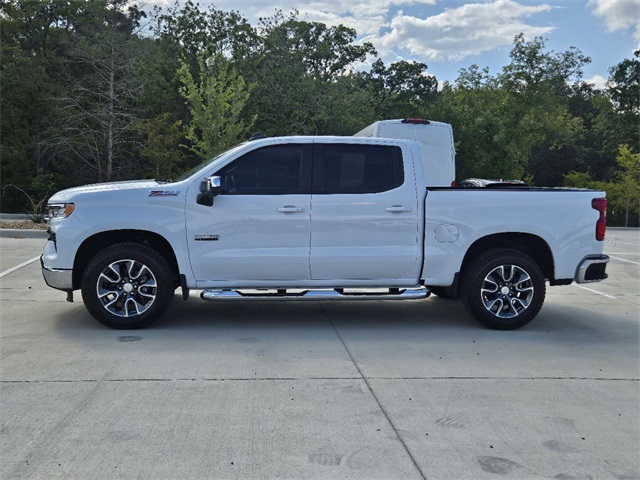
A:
<point x="22" y="225"/>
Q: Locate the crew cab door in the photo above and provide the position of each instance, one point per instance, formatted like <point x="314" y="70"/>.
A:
<point x="364" y="223"/>
<point x="258" y="229"/>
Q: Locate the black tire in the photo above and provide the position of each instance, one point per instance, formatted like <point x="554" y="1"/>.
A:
<point x="503" y="289"/>
<point x="443" y="292"/>
<point x="127" y="286"/>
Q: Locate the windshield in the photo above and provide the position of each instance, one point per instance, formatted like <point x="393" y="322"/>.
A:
<point x="202" y="165"/>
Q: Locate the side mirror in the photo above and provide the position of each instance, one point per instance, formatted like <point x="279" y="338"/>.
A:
<point x="210" y="187"/>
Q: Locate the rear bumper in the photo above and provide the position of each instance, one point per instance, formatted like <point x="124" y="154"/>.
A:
<point x="59" y="279"/>
<point x="592" y="269"/>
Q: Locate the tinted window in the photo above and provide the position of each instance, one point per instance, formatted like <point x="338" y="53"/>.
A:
<point x="360" y="169"/>
<point x="274" y="170"/>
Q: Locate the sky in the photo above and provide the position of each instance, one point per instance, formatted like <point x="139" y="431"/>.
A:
<point x="449" y="35"/>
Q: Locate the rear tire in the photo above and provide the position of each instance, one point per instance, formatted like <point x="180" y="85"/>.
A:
<point x="503" y="289"/>
<point x="127" y="286"/>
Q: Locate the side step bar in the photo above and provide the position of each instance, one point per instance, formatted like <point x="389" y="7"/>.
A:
<point x="336" y="294"/>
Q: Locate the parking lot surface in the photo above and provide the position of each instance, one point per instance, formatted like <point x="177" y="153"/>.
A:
<point x="350" y="390"/>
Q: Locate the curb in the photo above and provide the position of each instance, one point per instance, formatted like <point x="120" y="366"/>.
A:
<point x="23" y="233"/>
<point x="14" y="216"/>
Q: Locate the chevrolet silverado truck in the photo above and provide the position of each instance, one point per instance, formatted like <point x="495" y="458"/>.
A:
<point x="367" y="217"/>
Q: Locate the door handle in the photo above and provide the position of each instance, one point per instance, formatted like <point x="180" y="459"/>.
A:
<point x="397" y="209"/>
<point x="290" y="209"/>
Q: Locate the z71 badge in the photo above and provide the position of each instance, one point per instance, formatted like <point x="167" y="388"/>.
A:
<point x="163" y="193"/>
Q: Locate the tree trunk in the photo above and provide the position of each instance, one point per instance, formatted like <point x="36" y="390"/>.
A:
<point x="626" y="214"/>
<point x="111" y="112"/>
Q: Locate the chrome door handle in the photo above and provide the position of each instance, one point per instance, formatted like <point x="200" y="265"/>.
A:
<point x="290" y="209"/>
<point x="397" y="209"/>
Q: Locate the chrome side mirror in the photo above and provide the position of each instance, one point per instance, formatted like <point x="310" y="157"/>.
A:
<point x="210" y="187"/>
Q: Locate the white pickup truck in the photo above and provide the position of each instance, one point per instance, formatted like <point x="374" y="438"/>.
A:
<point x="322" y="218"/>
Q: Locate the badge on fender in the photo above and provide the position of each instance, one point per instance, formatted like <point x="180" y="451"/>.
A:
<point x="207" y="237"/>
<point x="164" y="193"/>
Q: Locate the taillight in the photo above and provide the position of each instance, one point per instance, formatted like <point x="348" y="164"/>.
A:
<point x="453" y="184"/>
<point x="600" y="204"/>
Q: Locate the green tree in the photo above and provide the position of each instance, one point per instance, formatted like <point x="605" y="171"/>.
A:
<point x="208" y="32"/>
<point x="93" y="128"/>
<point x="216" y="102"/>
<point x="623" y="87"/>
<point x="538" y="83"/>
<point x="610" y="118"/>
<point x="86" y="96"/>
<point x="532" y="69"/>
<point x="33" y="39"/>
<point x="623" y="193"/>
<point x="401" y="90"/>
<point x="162" y="145"/>
<point x="478" y="109"/>
<point x="628" y="181"/>
<point x="297" y="68"/>
<point x="505" y="124"/>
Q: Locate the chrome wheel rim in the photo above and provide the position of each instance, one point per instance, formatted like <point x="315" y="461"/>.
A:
<point x="507" y="291"/>
<point x="126" y="288"/>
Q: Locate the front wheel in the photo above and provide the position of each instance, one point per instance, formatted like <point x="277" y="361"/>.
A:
<point x="127" y="286"/>
<point x="503" y="289"/>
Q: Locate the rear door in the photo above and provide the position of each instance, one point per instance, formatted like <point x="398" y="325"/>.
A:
<point x="364" y="222"/>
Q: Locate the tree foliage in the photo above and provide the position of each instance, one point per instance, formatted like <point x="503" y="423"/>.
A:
<point x="298" y="70"/>
<point x="216" y="102"/>
<point x="94" y="90"/>
<point x="624" y="85"/>
<point x="623" y="192"/>
<point x="504" y="122"/>
<point x="96" y="115"/>
<point x="162" y="145"/>
<point x="400" y="89"/>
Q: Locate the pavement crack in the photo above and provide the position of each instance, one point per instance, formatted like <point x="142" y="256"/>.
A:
<point x="302" y="379"/>
<point x="212" y="380"/>
<point x="607" y="379"/>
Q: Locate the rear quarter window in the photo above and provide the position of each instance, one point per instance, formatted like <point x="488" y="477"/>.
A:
<point x="359" y="168"/>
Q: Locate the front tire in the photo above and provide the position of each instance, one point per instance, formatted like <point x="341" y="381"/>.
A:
<point x="503" y="289"/>
<point x="127" y="286"/>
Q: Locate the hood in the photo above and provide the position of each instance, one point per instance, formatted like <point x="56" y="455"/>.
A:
<point x="65" y="195"/>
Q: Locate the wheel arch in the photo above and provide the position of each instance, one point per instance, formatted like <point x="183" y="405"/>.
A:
<point x="527" y="243"/>
<point x="99" y="241"/>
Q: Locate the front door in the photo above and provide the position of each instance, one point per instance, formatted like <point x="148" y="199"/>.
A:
<point x="258" y="229"/>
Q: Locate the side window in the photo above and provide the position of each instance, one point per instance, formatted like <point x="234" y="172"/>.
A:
<point x="274" y="170"/>
<point x="360" y="168"/>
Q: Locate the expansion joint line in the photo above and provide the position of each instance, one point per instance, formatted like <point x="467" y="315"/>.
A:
<point x="373" y="394"/>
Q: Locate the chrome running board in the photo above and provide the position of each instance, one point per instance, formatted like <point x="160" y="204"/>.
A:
<point x="297" y="295"/>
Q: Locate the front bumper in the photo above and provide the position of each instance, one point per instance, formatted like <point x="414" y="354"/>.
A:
<point x="592" y="269"/>
<point x="60" y="279"/>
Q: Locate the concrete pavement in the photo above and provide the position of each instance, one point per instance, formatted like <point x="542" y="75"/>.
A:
<point x="380" y="390"/>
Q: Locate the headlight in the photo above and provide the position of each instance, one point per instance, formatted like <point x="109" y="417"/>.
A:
<point x="59" y="210"/>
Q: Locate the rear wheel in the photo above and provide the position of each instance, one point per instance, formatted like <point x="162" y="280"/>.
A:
<point x="127" y="286"/>
<point x="503" y="289"/>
